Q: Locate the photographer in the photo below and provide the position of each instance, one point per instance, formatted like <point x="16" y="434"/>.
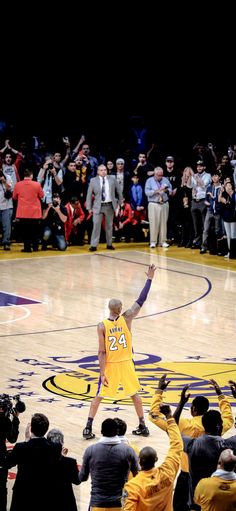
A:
<point x="50" y="179"/>
<point x="9" y="430"/>
<point x="6" y="208"/>
<point x="54" y="218"/>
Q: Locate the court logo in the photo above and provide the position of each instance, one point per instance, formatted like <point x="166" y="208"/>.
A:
<point x="81" y="383"/>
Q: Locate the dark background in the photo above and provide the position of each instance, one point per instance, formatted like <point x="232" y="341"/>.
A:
<point x="89" y="69"/>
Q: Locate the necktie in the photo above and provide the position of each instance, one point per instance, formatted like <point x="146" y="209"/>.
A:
<point x="214" y="202"/>
<point x="103" y="190"/>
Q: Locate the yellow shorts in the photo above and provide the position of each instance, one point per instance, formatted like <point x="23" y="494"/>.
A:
<point x="122" y="380"/>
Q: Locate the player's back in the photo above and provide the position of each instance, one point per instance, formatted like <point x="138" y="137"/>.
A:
<point x="118" y="340"/>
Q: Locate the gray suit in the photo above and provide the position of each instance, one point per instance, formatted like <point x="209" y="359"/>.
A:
<point x="100" y="208"/>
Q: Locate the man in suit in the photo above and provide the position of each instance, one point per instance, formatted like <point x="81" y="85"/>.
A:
<point x="104" y="189"/>
<point x="37" y="461"/>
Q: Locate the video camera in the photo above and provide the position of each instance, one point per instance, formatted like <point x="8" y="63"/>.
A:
<point x="9" y="407"/>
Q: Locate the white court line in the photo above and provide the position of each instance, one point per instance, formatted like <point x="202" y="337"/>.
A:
<point x="27" y="314"/>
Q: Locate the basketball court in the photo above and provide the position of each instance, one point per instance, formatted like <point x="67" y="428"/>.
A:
<point x="50" y="304"/>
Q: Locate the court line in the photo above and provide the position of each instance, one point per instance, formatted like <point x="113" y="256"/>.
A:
<point x="167" y="258"/>
<point x="209" y="287"/>
<point x="27" y="314"/>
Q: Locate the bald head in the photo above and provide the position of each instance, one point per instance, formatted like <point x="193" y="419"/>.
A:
<point x="227" y="460"/>
<point x="115" y="306"/>
<point x="147" y="458"/>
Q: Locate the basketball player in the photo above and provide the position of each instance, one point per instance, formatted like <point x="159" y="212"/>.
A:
<point x="115" y="357"/>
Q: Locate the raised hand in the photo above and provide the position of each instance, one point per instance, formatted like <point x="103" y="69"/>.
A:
<point x="233" y="387"/>
<point x="184" y="397"/>
<point x="151" y="271"/>
<point x="216" y="387"/>
<point x="163" y="383"/>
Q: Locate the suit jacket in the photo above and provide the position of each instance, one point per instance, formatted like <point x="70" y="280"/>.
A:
<point x="37" y="465"/>
<point x="95" y="190"/>
<point x="67" y="473"/>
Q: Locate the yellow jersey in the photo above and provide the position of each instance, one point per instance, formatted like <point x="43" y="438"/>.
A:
<point x="118" y="340"/>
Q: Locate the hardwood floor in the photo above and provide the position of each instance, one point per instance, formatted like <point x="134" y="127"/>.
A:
<point x="50" y="306"/>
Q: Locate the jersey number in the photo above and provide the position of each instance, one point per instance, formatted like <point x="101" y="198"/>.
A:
<point x="113" y="340"/>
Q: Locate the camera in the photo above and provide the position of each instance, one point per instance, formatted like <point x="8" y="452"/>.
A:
<point x="50" y="166"/>
<point x="9" y="407"/>
<point x="54" y="203"/>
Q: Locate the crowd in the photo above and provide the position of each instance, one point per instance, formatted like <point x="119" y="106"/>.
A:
<point x="121" y="478"/>
<point x="70" y="197"/>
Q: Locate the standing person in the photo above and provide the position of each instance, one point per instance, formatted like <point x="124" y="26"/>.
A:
<point x="152" y="488"/>
<point x="37" y="461"/>
<point x="6" y="208"/>
<point x="28" y="194"/>
<point x="109" y="463"/>
<point x="191" y="427"/>
<point x="103" y="187"/>
<point x="67" y="474"/>
<point x="218" y="492"/>
<point x="157" y="190"/>
<point x="9" y="430"/>
<point x="199" y="183"/>
<point x="115" y="357"/>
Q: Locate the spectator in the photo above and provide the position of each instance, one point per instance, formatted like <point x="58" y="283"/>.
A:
<point x="191" y="427"/>
<point x="50" y="178"/>
<point x="28" y="194"/>
<point x="227" y="199"/>
<point x="199" y="183"/>
<point x="203" y="452"/>
<point x="75" y="225"/>
<point x="157" y="190"/>
<point x="9" y="430"/>
<point x="108" y="462"/>
<point x="36" y="461"/>
<point x="103" y="187"/>
<point x="173" y="176"/>
<point x="11" y="169"/>
<point x="218" y="492"/>
<point x="6" y="208"/>
<point x="54" y="216"/>
<point x="212" y="214"/>
<point x="66" y="475"/>
<point x="152" y="488"/>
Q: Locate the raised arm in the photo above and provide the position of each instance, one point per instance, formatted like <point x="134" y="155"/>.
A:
<point x="225" y="407"/>
<point x="183" y="400"/>
<point x="134" y="310"/>
<point x="155" y="414"/>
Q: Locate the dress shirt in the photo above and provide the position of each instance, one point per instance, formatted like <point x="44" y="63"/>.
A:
<point x="107" y="189"/>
